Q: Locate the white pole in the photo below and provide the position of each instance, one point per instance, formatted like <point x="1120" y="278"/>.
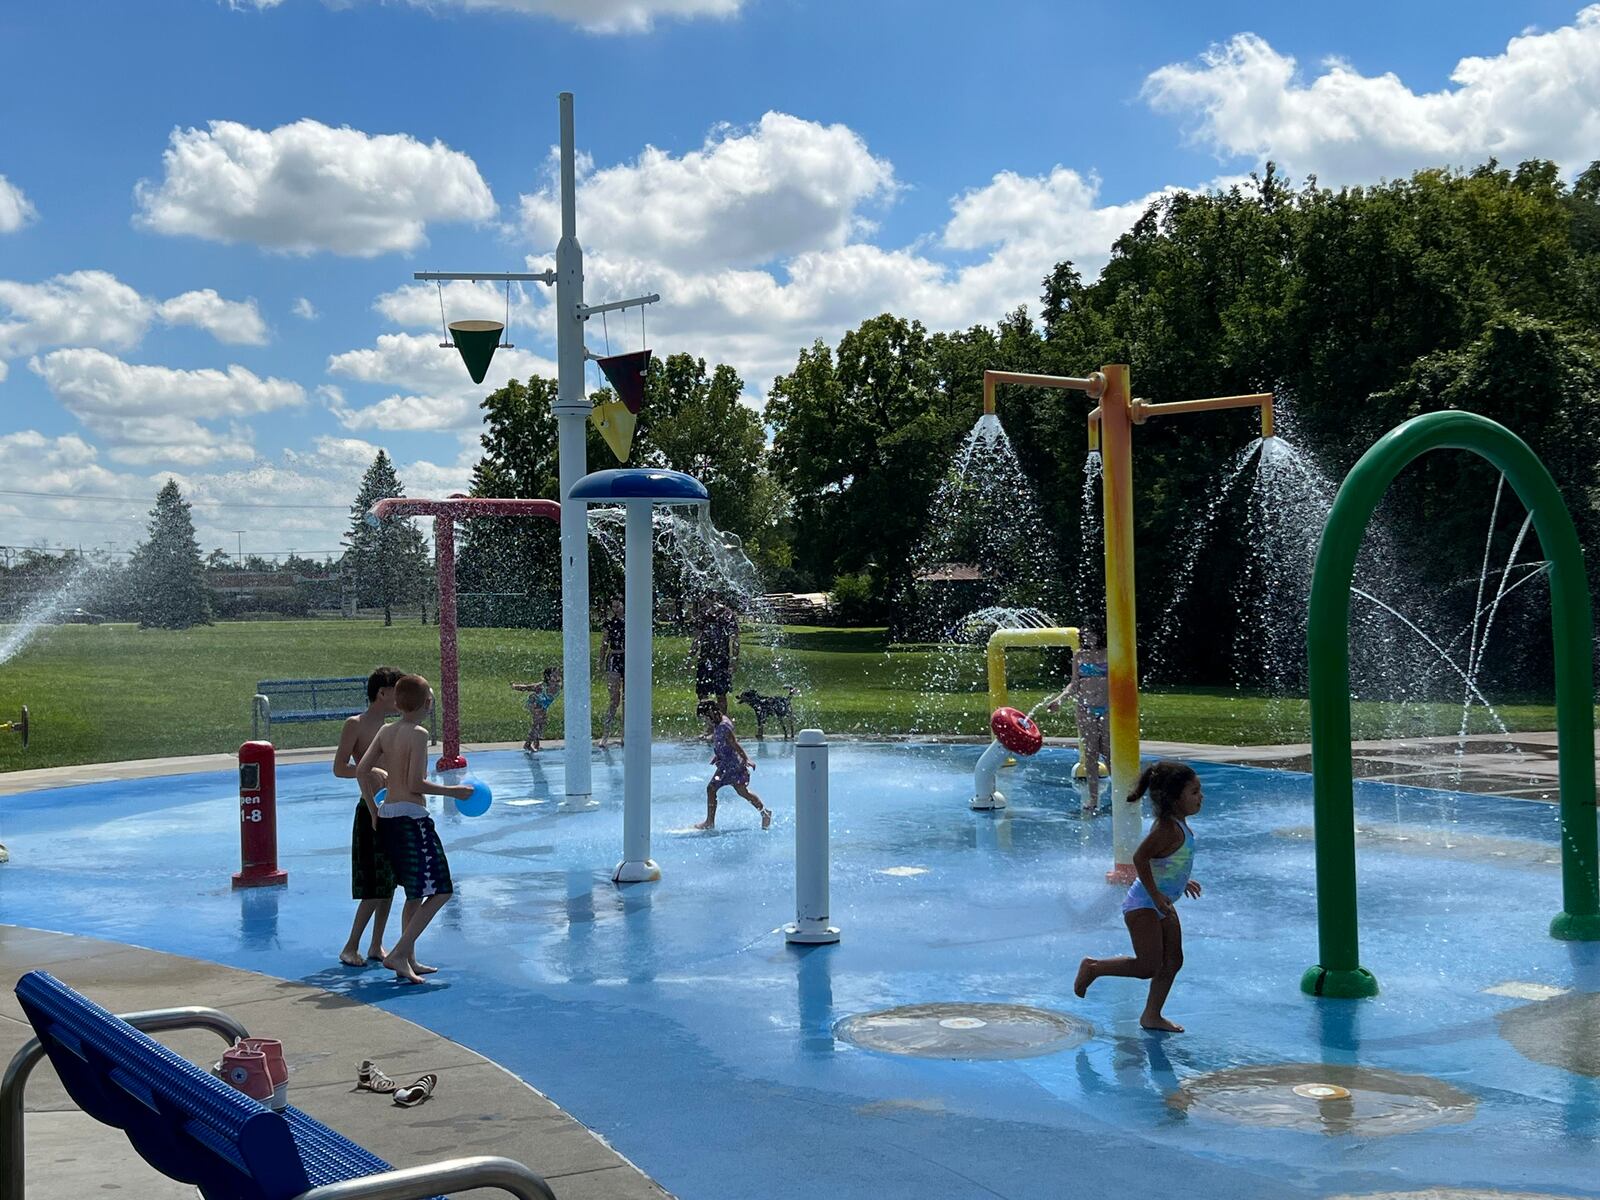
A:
<point x="638" y="594"/>
<point x="810" y="841"/>
<point x="572" y="410"/>
<point x="984" y="793"/>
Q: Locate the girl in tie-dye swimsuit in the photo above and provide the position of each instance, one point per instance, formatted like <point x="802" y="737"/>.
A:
<point x="1164" y="861"/>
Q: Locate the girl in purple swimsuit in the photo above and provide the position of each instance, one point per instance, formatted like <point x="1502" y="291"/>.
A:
<point x="1164" y="860"/>
<point x="732" y="763"/>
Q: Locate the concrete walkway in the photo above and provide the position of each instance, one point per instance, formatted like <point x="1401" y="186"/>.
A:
<point x="478" y="1107"/>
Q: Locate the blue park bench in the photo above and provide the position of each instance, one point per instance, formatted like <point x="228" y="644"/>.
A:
<point x="196" y="1129"/>
<point x="296" y="700"/>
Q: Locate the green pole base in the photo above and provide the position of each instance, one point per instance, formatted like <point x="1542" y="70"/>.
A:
<point x="1570" y="927"/>
<point x="1339" y="985"/>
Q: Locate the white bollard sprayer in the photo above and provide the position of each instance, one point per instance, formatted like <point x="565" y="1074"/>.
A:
<point x="811" y="925"/>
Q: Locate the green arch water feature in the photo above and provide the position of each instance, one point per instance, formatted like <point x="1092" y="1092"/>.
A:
<point x="1339" y="972"/>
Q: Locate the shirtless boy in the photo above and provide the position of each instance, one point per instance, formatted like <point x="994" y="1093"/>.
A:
<point x="398" y="760"/>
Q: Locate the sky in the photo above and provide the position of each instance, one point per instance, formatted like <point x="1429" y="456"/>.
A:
<point x="211" y="210"/>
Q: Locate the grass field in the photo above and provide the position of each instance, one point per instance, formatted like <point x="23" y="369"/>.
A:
<point x="109" y="692"/>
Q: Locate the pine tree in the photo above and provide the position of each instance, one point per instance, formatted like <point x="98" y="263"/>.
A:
<point x="389" y="556"/>
<point x="167" y="571"/>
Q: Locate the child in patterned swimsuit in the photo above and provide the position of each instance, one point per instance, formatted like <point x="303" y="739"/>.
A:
<point x="732" y="763"/>
<point x="1163" y="860"/>
<point x="541" y="696"/>
<point x="397" y="760"/>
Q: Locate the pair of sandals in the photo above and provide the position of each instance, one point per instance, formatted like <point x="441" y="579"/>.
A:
<point x="369" y="1078"/>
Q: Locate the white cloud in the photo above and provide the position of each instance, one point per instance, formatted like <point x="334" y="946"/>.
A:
<point x="236" y="322"/>
<point x="758" y="320"/>
<point x="146" y="413"/>
<point x="304" y="309"/>
<point x="1540" y="98"/>
<point x="307" y="187"/>
<point x="437" y="395"/>
<point x="89" y="308"/>
<point x="16" y="210"/>
<point x="95" y="308"/>
<point x="746" y="197"/>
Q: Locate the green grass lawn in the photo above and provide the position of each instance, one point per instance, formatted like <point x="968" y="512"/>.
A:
<point x="101" y="693"/>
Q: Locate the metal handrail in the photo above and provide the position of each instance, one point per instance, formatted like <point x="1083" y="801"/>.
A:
<point x="433" y="1179"/>
<point x="15" y="1082"/>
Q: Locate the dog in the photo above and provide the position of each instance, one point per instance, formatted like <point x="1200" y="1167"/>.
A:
<point x="777" y="708"/>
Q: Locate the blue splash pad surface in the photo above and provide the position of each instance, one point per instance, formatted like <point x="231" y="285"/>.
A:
<point x="675" y="1021"/>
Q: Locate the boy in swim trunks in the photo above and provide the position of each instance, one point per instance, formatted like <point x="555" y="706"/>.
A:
<point x="541" y="696"/>
<point x="398" y="760"/>
<point x="371" y="880"/>
<point x="1090" y="689"/>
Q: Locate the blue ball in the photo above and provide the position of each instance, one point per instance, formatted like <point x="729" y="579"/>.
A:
<point x="382" y="792"/>
<point x="478" y="803"/>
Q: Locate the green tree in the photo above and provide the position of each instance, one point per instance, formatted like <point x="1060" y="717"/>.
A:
<point x="508" y="571"/>
<point x="167" y="571"/>
<point x="389" y="555"/>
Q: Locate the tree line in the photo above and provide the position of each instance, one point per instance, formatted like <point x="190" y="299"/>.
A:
<point x="1358" y="307"/>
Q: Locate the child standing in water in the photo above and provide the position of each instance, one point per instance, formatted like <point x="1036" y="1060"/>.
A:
<point x="732" y="763"/>
<point x="371" y="880"/>
<point x="1090" y="689"/>
<point x="541" y="696"/>
<point x="613" y="658"/>
<point x="398" y="760"/>
<point x="1163" y="860"/>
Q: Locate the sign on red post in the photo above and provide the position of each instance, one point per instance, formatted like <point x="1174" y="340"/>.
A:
<point x="258" y="817"/>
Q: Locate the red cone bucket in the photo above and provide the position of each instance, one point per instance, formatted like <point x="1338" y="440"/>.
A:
<point x="626" y="375"/>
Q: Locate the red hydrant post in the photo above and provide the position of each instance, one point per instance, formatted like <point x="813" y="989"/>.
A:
<point x="258" y="817"/>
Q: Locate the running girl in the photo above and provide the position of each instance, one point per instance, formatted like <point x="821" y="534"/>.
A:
<point x="732" y="763"/>
<point x="1163" y="860"/>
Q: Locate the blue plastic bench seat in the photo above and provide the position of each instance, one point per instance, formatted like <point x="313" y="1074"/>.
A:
<point x="183" y="1121"/>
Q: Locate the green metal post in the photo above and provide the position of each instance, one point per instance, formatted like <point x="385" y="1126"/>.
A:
<point x="1340" y="973"/>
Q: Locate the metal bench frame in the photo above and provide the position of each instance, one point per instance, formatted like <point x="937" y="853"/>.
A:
<point x="405" y="1183"/>
<point x="261" y="705"/>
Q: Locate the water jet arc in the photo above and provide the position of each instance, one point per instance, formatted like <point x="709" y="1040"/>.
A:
<point x="1339" y="972"/>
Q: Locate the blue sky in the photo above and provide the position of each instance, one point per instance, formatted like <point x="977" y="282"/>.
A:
<point x="210" y="212"/>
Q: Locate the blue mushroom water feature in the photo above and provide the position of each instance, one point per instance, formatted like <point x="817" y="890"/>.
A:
<point x="639" y="491"/>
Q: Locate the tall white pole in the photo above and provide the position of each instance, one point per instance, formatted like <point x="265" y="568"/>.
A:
<point x="638" y="594"/>
<point x="572" y="411"/>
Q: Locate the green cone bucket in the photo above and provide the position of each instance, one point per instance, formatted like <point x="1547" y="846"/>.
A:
<point x="477" y="342"/>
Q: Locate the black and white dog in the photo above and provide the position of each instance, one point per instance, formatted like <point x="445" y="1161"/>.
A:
<point x="775" y="708"/>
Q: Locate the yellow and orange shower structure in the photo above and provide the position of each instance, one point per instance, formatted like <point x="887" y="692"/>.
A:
<point x="1111" y="433"/>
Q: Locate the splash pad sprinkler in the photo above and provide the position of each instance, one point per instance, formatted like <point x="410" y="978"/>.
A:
<point x="445" y="514"/>
<point x="1339" y="972"/>
<point x="19" y="726"/>
<point x="1111" y="432"/>
<point x="477" y="342"/>
<point x="638" y="491"/>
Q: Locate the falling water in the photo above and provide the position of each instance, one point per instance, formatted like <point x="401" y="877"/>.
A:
<point x="696" y="561"/>
<point x="986" y="562"/>
<point x="984" y="516"/>
<point x="43" y="610"/>
<point x="1088" y="581"/>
